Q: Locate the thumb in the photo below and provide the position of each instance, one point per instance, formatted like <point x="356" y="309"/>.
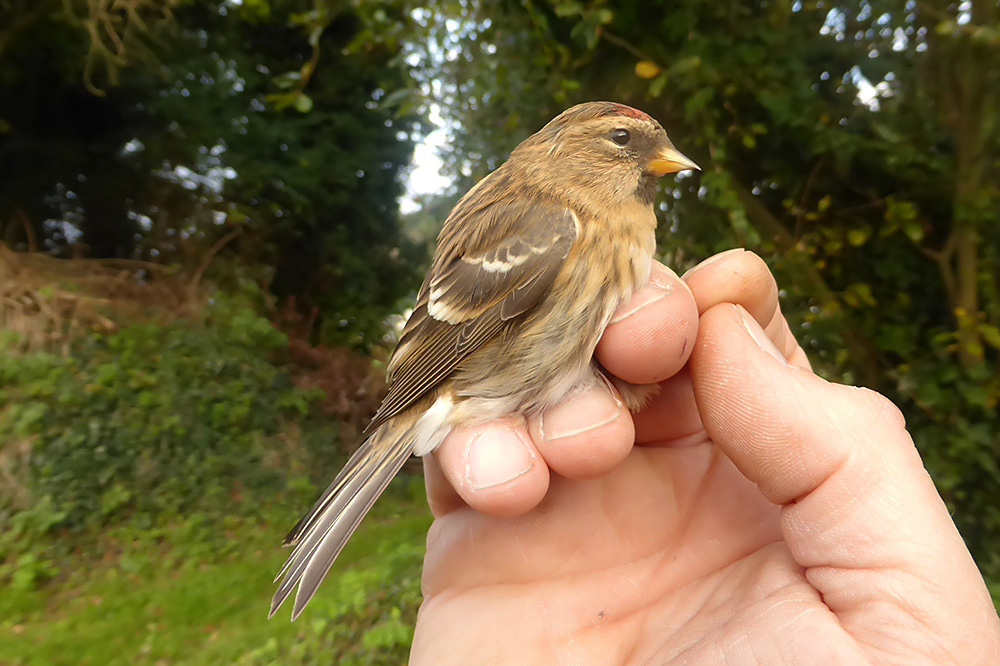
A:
<point x="859" y="512"/>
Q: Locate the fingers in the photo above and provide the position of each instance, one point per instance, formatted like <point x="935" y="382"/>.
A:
<point x="762" y="444"/>
<point x="650" y="337"/>
<point x="586" y="436"/>
<point x="859" y="513"/>
<point x="494" y="467"/>
<point x="736" y="276"/>
<point x="741" y="277"/>
<point x="502" y="468"/>
<point x="501" y="472"/>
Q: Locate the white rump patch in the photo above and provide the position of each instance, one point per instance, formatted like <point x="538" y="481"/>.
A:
<point x="432" y="426"/>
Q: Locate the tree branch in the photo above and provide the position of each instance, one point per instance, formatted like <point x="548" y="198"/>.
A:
<point x="618" y="41"/>
<point x="206" y="261"/>
<point x="865" y="359"/>
<point x="801" y="213"/>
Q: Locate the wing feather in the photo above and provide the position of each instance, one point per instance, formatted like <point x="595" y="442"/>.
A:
<point x="473" y="292"/>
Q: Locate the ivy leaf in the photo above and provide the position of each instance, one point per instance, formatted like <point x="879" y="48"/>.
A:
<point x="657" y="85"/>
<point x="685" y="65"/>
<point x="569" y="9"/>
<point x="303" y="103"/>
<point x="991" y="335"/>
<point x="858" y="237"/>
<point x="698" y="101"/>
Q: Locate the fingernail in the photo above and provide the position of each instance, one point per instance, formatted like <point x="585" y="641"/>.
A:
<point x="584" y="412"/>
<point x="662" y="282"/>
<point x="758" y="334"/>
<point x="711" y="260"/>
<point x="496" y="457"/>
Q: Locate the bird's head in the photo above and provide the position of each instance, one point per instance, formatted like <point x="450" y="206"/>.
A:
<point x="599" y="151"/>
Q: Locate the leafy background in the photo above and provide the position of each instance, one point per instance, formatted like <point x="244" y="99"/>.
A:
<point x="204" y="258"/>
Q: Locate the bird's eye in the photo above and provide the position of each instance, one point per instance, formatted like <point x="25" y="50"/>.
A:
<point x="620" y="136"/>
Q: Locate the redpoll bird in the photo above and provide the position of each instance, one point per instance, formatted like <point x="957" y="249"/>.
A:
<point x="529" y="268"/>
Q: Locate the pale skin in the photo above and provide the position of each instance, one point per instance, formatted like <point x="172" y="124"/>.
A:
<point x="753" y="513"/>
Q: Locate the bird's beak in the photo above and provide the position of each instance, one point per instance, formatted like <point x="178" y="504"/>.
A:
<point x="669" y="160"/>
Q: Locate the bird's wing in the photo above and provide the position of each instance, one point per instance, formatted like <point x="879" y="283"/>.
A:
<point x="473" y="290"/>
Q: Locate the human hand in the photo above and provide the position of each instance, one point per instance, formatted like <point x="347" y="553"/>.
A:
<point x="763" y="515"/>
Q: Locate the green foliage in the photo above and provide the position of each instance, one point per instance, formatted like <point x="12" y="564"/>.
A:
<point x="332" y="630"/>
<point x="194" y="591"/>
<point x="22" y="561"/>
<point x="154" y="417"/>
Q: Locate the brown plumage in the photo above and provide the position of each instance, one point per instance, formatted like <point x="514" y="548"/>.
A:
<point x="529" y="268"/>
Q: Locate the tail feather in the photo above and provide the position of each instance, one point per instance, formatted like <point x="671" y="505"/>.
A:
<point x="339" y="533"/>
<point x="350" y="471"/>
<point x="369" y="463"/>
<point x="322" y="533"/>
<point x="358" y="470"/>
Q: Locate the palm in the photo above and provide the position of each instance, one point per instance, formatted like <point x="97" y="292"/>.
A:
<point x="674" y="552"/>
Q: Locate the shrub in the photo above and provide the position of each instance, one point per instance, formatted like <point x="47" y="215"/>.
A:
<point x="152" y="417"/>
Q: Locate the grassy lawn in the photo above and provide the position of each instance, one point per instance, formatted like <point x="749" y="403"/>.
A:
<point x="197" y="591"/>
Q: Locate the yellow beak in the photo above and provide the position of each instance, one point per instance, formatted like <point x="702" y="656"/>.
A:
<point x="670" y="160"/>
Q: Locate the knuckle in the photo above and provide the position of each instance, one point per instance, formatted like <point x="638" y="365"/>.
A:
<point x="878" y="409"/>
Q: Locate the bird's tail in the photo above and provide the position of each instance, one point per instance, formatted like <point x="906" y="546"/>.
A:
<point x="321" y="534"/>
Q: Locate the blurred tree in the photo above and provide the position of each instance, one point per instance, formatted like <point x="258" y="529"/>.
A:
<point x="163" y="138"/>
<point x="856" y="146"/>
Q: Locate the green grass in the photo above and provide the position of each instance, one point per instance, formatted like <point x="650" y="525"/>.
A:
<point x="197" y="591"/>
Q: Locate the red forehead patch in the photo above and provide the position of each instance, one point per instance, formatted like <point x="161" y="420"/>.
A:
<point x="622" y="110"/>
